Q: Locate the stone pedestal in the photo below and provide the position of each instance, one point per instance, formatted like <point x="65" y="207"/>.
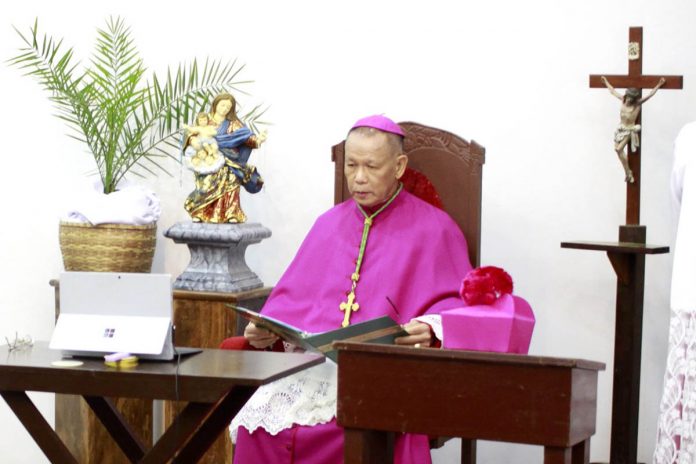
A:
<point x="217" y="255"/>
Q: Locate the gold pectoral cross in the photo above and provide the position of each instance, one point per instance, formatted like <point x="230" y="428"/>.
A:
<point x="348" y="307"/>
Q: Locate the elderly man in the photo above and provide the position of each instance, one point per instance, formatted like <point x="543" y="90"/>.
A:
<point x="383" y="252"/>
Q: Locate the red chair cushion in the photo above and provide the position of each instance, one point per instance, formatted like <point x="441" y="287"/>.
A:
<point x="241" y="343"/>
<point x="416" y="183"/>
<point x="235" y="343"/>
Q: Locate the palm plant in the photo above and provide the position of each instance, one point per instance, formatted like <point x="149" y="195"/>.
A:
<point x="127" y="126"/>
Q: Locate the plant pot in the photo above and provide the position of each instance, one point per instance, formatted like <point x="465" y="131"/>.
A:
<point x="107" y="247"/>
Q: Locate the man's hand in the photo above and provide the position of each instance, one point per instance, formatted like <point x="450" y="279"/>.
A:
<point x="419" y="334"/>
<point x="259" y="338"/>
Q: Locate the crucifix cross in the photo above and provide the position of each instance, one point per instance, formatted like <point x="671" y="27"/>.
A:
<point x="635" y="79"/>
<point x="348" y="306"/>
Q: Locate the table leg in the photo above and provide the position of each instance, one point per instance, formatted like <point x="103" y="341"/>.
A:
<point x="553" y="455"/>
<point x="468" y="451"/>
<point x="367" y="446"/>
<point x="196" y="427"/>
<point x="581" y="452"/>
<point x="221" y="414"/>
<point x="118" y="428"/>
<point x="179" y="432"/>
<point x="42" y="433"/>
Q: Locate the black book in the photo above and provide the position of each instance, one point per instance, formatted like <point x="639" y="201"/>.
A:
<point x="380" y="330"/>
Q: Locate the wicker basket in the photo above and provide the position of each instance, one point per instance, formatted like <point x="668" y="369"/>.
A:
<point x="107" y="247"/>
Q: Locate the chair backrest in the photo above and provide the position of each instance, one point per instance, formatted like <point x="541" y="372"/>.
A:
<point x="453" y="166"/>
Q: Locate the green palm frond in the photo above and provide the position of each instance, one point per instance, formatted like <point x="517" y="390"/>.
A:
<point x="126" y="124"/>
<point x="253" y="118"/>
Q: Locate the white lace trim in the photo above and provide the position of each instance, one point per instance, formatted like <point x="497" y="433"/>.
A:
<point x="676" y="440"/>
<point x="305" y="398"/>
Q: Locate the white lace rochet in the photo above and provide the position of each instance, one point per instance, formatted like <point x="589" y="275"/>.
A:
<point x="676" y="427"/>
<point x="677" y="419"/>
<point x="305" y="398"/>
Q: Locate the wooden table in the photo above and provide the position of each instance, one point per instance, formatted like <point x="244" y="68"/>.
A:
<point x="215" y="383"/>
<point x="535" y="400"/>
<point x="202" y="320"/>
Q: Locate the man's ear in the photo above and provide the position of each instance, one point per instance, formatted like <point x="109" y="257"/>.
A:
<point x="401" y="162"/>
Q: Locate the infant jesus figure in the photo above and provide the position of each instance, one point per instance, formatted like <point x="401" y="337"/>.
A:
<point x="202" y="155"/>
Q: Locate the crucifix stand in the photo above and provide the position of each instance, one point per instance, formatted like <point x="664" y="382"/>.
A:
<point x="627" y="257"/>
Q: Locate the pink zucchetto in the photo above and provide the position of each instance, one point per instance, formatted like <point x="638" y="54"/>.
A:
<point x="380" y="122"/>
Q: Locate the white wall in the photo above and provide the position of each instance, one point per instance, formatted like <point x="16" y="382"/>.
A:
<point x="512" y="75"/>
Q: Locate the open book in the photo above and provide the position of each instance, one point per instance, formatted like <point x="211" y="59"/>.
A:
<point x="381" y="330"/>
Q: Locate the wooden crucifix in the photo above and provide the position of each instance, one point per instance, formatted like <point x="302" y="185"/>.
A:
<point x="635" y="79"/>
<point x="627" y="257"/>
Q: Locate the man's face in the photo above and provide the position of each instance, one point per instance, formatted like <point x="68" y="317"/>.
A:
<point x="372" y="168"/>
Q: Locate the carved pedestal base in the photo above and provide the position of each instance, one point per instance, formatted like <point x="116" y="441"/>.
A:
<point x="217" y="256"/>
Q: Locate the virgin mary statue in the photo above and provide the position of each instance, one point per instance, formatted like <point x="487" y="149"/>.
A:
<point x="216" y="196"/>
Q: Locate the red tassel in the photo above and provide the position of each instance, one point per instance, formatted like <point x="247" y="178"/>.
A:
<point x="484" y="285"/>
